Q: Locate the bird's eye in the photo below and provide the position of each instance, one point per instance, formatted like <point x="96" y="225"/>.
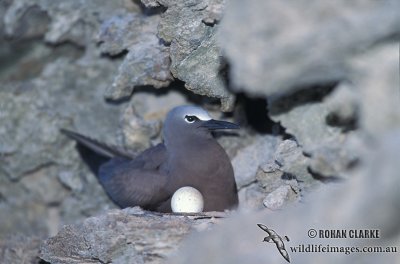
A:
<point x="191" y="119"/>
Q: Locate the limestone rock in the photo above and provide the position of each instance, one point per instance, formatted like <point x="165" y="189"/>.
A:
<point x="195" y="54"/>
<point x="277" y="199"/>
<point x="291" y="46"/>
<point x="147" y="61"/>
<point x="18" y="249"/>
<point x="246" y="162"/>
<point x="120" y="236"/>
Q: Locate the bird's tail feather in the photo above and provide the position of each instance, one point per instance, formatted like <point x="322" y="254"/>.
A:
<point x="95" y="153"/>
<point x="98" y="147"/>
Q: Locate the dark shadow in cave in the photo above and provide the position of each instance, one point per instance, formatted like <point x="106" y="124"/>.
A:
<point x="252" y="112"/>
<point x="324" y="178"/>
<point x="176" y="85"/>
<point x="301" y="96"/>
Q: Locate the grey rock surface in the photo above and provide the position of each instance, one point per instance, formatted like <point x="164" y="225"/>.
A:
<point x="324" y="133"/>
<point x="290" y="162"/>
<point x="344" y="107"/>
<point x="246" y="162"/>
<point x="20" y="250"/>
<point x="265" y="167"/>
<point x="293" y="47"/>
<point x="147" y="61"/>
<point x="45" y="88"/>
<point x="41" y="163"/>
<point x="120" y="236"/>
<point x="195" y="55"/>
<point x="75" y="21"/>
<point x="190" y="53"/>
<point x="378" y="88"/>
<point x="277" y="198"/>
<point x="278" y="180"/>
<point x="293" y="62"/>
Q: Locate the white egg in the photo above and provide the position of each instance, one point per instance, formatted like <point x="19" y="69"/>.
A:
<point x="187" y="200"/>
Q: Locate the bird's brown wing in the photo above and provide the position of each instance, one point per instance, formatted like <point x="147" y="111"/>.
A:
<point x="136" y="182"/>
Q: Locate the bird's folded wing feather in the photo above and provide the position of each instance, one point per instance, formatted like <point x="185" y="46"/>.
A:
<point x="136" y="182"/>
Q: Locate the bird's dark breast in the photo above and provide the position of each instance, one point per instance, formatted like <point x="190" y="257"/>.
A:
<point x="210" y="172"/>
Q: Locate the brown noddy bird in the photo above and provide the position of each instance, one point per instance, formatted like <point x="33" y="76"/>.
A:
<point x="189" y="156"/>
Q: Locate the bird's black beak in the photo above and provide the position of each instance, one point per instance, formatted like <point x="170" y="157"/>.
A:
<point x="219" y="124"/>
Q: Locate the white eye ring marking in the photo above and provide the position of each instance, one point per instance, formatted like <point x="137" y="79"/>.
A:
<point x="191" y="118"/>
